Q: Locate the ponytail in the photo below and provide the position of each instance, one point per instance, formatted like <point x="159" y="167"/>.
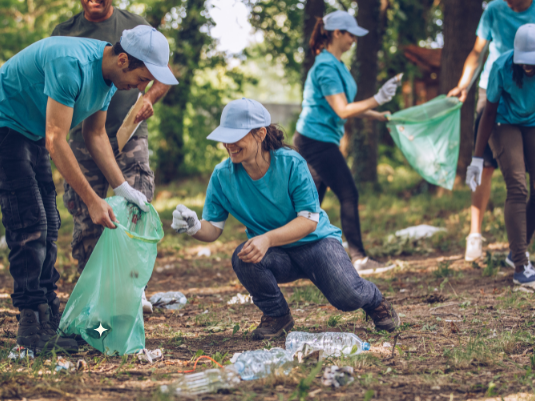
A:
<point x="320" y="38"/>
<point x="274" y="138"/>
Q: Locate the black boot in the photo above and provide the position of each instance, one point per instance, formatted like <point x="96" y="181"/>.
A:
<point x="55" y="315"/>
<point x="36" y="332"/>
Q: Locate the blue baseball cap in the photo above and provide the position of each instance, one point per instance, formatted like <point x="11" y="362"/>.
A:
<point x="239" y="117"/>
<point x="150" y="46"/>
<point x="343" y="22"/>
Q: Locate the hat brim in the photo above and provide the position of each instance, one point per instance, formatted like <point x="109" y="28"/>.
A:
<point x="358" y="31"/>
<point x="228" y="135"/>
<point x="162" y="74"/>
<point x="524" y="58"/>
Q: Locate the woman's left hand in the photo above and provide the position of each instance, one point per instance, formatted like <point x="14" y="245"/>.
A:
<point x="381" y="116"/>
<point x="254" y="250"/>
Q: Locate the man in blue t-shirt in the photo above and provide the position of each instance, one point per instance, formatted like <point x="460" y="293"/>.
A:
<point x="498" y="25"/>
<point x="45" y="90"/>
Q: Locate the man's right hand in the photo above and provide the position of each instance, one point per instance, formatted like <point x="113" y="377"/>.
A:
<point x="458" y="92"/>
<point x="102" y="213"/>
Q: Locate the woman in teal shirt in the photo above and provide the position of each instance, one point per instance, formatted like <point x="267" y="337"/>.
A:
<point x="509" y="121"/>
<point x="267" y="186"/>
<point x="327" y="102"/>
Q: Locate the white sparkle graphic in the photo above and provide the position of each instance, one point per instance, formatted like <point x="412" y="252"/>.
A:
<point x="100" y="329"/>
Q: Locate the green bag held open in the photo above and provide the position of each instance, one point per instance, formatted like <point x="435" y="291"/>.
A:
<point x="108" y="293"/>
<point x="429" y="137"/>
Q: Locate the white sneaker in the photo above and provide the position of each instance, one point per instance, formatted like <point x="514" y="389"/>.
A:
<point x="474" y="247"/>
<point x="147" y="306"/>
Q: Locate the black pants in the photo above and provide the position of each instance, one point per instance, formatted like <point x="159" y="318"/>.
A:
<point x="329" y="169"/>
<point x="30" y="217"/>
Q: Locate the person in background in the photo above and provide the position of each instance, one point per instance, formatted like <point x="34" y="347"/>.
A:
<point x="267" y="186"/>
<point x="327" y="102"/>
<point x="497" y="25"/>
<point x="100" y="20"/>
<point x="509" y="121"/>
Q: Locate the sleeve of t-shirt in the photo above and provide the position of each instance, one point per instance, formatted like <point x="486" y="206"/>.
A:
<point x="302" y="189"/>
<point x="213" y="209"/>
<point x="328" y="80"/>
<point x="108" y="99"/>
<point x="484" y="29"/>
<point x="63" y="80"/>
<point x="495" y="85"/>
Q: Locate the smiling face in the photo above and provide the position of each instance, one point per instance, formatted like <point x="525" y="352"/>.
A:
<point x="125" y="79"/>
<point x="247" y="148"/>
<point x="97" y="10"/>
<point x="529" y="69"/>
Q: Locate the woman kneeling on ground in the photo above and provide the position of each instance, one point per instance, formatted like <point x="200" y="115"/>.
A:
<point x="509" y="121"/>
<point x="267" y="186"/>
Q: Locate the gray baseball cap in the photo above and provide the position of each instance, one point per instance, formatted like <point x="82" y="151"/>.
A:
<point x="343" y="22"/>
<point x="525" y="45"/>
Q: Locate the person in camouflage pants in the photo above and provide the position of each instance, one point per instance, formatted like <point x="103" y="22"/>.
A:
<point x="134" y="163"/>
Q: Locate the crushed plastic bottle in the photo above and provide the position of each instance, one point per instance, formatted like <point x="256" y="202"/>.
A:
<point x="169" y="300"/>
<point x="208" y="381"/>
<point x="20" y="352"/>
<point x="253" y="365"/>
<point x="329" y="344"/>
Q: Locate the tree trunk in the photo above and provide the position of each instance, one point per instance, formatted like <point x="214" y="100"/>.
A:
<point x="313" y="9"/>
<point x="363" y="137"/>
<point x="461" y="18"/>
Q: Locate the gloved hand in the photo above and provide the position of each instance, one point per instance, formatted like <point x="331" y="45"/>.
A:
<point x="474" y="172"/>
<point x="132" y="195"/>
<point x="387" y="91"/>
<point x="185" y="221"/>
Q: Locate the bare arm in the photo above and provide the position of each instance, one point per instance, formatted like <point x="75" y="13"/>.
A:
<point x="345" y="110"/>
<point x="58" y="122"/>
<point x="485" y="127"/>
<point x="470" y="66"/>
<point x="97" y="142"/>
<point x="155" y="93"/>
<point x="374" y="115"/>
<point x="208" y="232"/>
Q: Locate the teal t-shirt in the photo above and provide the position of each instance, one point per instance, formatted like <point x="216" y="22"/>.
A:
<point x="68" y="70"/>
<point x="499" y="24"/>
<point x="517" y="105"/>
<point x="270" y="202"/>
<point x="327" y="77"/>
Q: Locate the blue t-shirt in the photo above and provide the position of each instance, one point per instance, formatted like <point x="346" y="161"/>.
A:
<point x="270" y="202"/>
<point x="327" y="77"/>
<point x="517" y="105"/>
<point x="499" y="25"/>
<point x="68" y="70"/>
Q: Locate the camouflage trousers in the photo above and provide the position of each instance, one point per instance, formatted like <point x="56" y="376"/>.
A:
<point x="133" y="162"/>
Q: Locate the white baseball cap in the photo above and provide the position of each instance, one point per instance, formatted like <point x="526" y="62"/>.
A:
<point x="239" y="117"/>
<point x="150" y="46"/>
<point x="525" y="45"/>
<point x="343" y="22"/>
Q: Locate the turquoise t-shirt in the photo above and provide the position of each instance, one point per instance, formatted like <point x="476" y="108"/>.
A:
<point x="270" y="202"/>
<point x="499" y="25"/>
<point x="68" y="70"/>
<point x="327" y="77"/>
<point x="517" y="105"/>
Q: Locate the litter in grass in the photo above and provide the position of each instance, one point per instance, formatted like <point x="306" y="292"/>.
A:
<point x="169" y="300"/>
<point x="240" y="299"/>
<point x="252" y="365"/>
<point x="336" y="377"/>
<point x="20" y="352"/>
<point x="419" y="232"/>
<point x="81" y="365"/>
<point x="328" y="343"/>
<point x="529" y="290"/>
<point x="204" y="252"/>
<point x="387" y="345"/>
<point x="64" y="364"/>
<point x="149" y="356"/>
<point x="210" y="380"/>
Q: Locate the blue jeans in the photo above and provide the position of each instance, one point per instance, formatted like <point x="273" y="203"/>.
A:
<point x="324" y="262"/>
<point x="30" y="217"/>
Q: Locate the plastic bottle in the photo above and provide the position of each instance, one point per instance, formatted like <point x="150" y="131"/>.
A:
<point x="169" y="300"/>
<point x="253" y="365"/>
<point x="330" y="344"/>
<point x="208" y="381"/>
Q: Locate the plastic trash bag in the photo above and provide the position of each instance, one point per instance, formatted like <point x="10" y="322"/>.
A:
<point x="108" y="292"/>
<point x="429" y="137"/>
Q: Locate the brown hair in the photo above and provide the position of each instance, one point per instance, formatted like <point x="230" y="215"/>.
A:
<point x="320" y="37"/>
<point x="518" y="75"/>
<point x="274" y="138"/>
<point x="133" y="62"/>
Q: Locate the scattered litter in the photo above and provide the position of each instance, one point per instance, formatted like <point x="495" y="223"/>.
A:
<point x="449" y="320"/>
<point x="20" y="352"/>
<point x="63" y="364"/>
<point x="210" y="380"/>
<point x="3" y="243"/>
<point x="419" y="232"/>
<point x="81" y="365"/>
<point x="435" y="388"/>
<point x="336" y="377"/>
<point x="169" y="300"/>
<point x="235" y="357"/>
<point x="204" y="252"/>
<point x="149" y="356"/>
<point x="240" y="299"/>
<point x="403" y="290"/>
<point x="328" y="343"/>
<point x="252" y="365"/>
<point x="205" y="312"/>
<point x="387" y="345"/>
<point x="529" y="290"/>
<point x="159" y="269"/>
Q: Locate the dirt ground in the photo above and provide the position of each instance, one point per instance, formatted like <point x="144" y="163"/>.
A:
<point x="465" y="334"/>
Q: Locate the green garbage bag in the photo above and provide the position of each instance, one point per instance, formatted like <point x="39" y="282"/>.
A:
<point x="108" y="293"/>
<point x="429" y="137"/>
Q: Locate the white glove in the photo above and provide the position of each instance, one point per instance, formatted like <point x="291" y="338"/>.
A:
<point x="185" y="221"/>
<point x="132" y="195"/>
<point x="387" y="91"/>
<point x="473" y="173"/>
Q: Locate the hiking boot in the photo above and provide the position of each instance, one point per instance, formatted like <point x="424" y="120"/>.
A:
<point x="385" y="317"/>
<point x="367" y="266"/>
<point x="36" y="332"/>
<point x="271" y="327"/>
<point x="55" y="315"/>
<point x="474" y="247"/>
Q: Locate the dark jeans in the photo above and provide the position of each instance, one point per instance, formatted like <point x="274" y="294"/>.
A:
<point x="324" y="262"/>
<point x="30" y="217"/>
<point x="329" y="169"/>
